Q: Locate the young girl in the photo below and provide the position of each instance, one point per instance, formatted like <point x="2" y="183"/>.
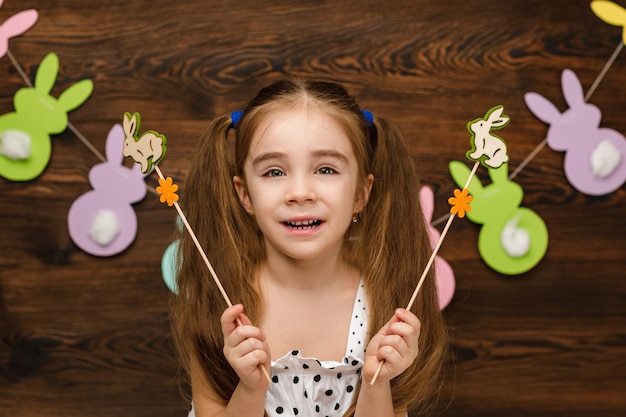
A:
<point x="315" y="230"/>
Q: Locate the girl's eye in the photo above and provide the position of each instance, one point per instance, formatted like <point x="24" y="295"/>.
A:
<point x="274" y="173"/>
<point x="326" y="171"/>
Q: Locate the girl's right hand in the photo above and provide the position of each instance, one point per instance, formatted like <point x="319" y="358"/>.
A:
<point x="245" y="348"/>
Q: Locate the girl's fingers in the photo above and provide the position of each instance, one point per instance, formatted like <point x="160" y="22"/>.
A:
<point x="397" y="341"/>
<point x="250" y="352"/>
<point x="403" y="323"/>
<point x="405" y="316"/>
<point x="244" y="337"/>
<point x="240" y="343"/>
<point x="244" y="345"/>
<point x="229" y="319"/>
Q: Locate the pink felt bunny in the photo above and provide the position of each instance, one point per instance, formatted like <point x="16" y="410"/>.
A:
<point x="594" y="158"/>
<point x="102" y="222"/>
<point x="15" y="26"/>
<point x="444" y="275"/>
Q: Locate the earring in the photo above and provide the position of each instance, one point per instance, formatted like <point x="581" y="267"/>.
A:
<point x="355" y="218"/>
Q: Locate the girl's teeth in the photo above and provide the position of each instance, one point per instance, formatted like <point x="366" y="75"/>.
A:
<point x="304" y="224"/>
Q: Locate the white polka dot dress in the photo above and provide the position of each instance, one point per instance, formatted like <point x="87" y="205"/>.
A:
<point x="307" y="387"/>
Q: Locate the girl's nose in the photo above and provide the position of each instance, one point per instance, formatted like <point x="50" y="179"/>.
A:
<point x="301" y="190"/>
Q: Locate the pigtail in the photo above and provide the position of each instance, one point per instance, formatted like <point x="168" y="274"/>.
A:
<point x="228" y="236"/>
<point x="396" y="249"/>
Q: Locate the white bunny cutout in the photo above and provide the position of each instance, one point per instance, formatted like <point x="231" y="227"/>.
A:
<point x="486" y="146"/>
<point x="594" y="157"/>
<point x="148" y="149"/>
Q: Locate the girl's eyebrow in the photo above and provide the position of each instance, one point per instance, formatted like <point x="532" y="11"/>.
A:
<point x="330" y="153"/>
<point x="266" y="157"/>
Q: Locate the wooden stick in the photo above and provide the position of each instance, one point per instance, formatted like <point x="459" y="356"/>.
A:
<point x="206" y="261"/>
<point x="429" y="264"/>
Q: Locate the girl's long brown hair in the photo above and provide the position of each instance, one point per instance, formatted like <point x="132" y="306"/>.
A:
<point x="389" y="245"/>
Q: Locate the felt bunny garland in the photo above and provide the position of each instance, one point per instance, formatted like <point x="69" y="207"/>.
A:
<point x="595" y="171"/>
<point x="99" y="222"/>
<point x="148" y="150"/>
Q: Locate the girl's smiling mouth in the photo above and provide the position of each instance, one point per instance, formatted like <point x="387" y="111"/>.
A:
<point x="302" y="224"/>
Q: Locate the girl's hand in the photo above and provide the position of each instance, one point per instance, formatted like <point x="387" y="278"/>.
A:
<point x="396" y="344"/>
<point x="245" y="348"/>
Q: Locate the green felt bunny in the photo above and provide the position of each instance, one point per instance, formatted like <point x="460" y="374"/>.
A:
<point x="512" y="239"/>
<point x="25" y="145"/>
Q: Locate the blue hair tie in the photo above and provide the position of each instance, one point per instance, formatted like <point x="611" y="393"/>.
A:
<point x="369" y="117"/>
<point x="235" y="117"/>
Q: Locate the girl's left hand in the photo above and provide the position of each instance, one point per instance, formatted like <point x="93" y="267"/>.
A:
<point x="396" y="344"/>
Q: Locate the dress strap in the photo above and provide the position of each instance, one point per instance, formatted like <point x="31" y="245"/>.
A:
<point x="357" y="337"/>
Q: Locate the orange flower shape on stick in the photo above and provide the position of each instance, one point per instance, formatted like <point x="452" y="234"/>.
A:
<point x="460" y="202"/>
<point x="168" y="191"/>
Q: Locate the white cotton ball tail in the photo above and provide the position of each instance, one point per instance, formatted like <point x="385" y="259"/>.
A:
<point x="605" y="158"/>
<point x="105" y="226"/>
<point x="515" y="240"/>
<point x="15" y="144"/>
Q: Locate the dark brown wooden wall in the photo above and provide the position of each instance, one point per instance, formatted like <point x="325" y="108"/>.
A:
<point x="82" y="335"/>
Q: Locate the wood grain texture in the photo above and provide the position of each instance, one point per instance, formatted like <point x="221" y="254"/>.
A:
<point x="81" y="335"/>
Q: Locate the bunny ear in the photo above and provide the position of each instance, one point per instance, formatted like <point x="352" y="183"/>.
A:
<point x="499" y="175"/>
<point x="75" y="95"/>
<point x="497" y="119"/>
<point x="127" y="124"/>
<point x="19" y="23"/>
<point x="460" y="173"/>
<point x="47" y="73"/>
<point x="542" y="108"/>
<point x="609" y="12"/>
<point x="572" y="89"/>
<point x="427" y="203"/>
<point x="115" y="144"/>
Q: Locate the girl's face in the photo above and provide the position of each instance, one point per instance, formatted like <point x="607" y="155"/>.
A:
<point x="301" y="180"/>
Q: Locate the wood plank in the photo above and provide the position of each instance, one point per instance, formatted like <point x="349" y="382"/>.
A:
<point x="85" y="335"/>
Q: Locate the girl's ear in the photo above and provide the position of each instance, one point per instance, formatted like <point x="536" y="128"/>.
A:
<point x="242" y="192"/>
<point x="364" y="194"/>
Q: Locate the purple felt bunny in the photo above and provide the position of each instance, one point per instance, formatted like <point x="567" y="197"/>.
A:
<point x="594" y="158"/>
<point x="102" y="222"/>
